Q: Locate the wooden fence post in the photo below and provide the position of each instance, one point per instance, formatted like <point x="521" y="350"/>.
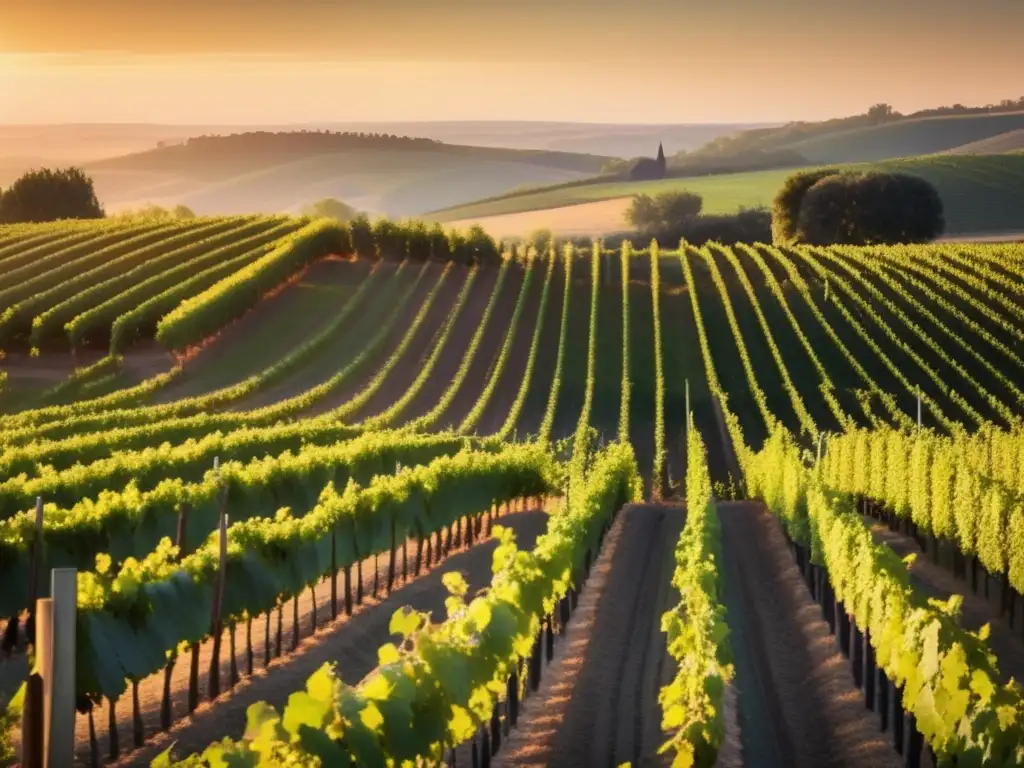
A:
<point x="60" y="685"/>
<point x="33" y="738"/>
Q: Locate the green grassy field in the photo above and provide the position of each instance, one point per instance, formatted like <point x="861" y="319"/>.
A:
<point x="981" y="193"/>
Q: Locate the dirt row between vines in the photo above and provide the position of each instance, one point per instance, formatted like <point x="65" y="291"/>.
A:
<point x="598" y="704"/>
<point x="504" y="395"/>
<point x="793" y="702"/>
<point x="351" y="641"/>
<point x="402" y="376"/>
<point x="369" y="368"/>
<point x="458" y="345"/>
<point x="798" y="702"/>
<point x="486" y="355"/>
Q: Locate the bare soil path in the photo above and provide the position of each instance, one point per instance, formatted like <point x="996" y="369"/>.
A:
<point x="599" y="704"/>
<point x="933" y="580"/>
<point x="797" y="700"/>
<point x="352" y="642"/>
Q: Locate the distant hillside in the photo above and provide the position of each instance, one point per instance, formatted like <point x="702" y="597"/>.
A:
<point x="263" y="172"/>
<point x="981" y="193"/>
<point x="907" y="138"/>
<point x="878" y="134"/>
<point x="1011" y="141"/>
<point x="85" y="142"/>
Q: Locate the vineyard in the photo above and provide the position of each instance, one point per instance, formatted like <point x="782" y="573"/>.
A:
<point x="392" y="496"/>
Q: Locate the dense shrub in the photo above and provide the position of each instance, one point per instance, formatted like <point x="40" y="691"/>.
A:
<point x="869" y="209"/>
<point x="666" y="212"/>
<point x="391" y="240"/>
<point x="49" y="195"/>
<point x="363" y="242"/>
<point x="474" y="247"/>
<point x="786" y="206"/>
<point x="747" y="226"/>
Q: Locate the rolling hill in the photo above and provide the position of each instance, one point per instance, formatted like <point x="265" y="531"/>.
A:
<point x="905" y="138"/>
<point x="1011" y="141"/>
<point x="283" y="172"/>
<point x="982" y="194"/>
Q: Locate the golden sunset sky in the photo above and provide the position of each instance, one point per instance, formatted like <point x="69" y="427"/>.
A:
<point x="256" y="61"/>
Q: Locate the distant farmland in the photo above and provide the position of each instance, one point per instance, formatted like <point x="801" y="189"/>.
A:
<point x="982" y="194"/>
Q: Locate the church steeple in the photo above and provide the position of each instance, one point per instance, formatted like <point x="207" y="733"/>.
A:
<point x="661" y="157"/>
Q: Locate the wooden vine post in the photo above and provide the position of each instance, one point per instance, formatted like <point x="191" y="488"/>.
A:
<point x="216" y="620"/>
<point x="165" y="704"/>
<point x="32" y="734"/>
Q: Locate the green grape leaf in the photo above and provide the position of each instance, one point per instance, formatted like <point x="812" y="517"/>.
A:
<point x="257" y="716"/>
<point x="322" y="683"/>
<point x="480" y="614"/>
<point x="303" y="709"/>
<point x="455" y="583"/>
<point x="404" y="622"/>
<point x="388" y="654"/>
<point x="318" y="743"/>
<point x="983" y="686"/>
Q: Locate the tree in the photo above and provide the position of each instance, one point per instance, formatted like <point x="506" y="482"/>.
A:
<point x="50" y="195"/>
<point x="330" y="208"/>
<point x="870" y="209"/>
<point x="786" y="206"/>
<point x="880" y="113"/>
<point x="661" y="159"/>
<point x="664" y="214"/>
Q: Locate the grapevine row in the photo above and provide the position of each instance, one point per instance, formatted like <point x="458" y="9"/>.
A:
<point x="392" y="413"/>
<point x="698" y="637"/>
<point x="130" y="523"/>
<point x="887" y="400"/>
<point x="473" y="417"/>
<point x="887" y="331"/>
<point x="547" y="424"/>
<point x="128" y="622"/>
<point x="919" y="333"/>
<point x="660" y="481"/>
<point x="413" y="707"/>
<point x="827" y="386"/>
<point x="807" y="424"/>
<point x="105" y="282"/>
<point x="946" y="676"/>
<point x="429" y="420"/>
<point x="524" y="387"/>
